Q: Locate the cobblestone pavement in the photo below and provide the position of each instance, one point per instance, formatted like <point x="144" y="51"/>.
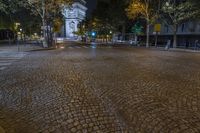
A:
<point x="101" y="90"/>
<point x="88" y="47"/>
<point x="8" y="57"/>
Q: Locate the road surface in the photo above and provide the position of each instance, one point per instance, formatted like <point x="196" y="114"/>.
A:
<point x="101" y="89"/>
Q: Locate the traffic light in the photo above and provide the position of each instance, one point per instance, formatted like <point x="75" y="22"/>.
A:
<point x="94" y="34"/>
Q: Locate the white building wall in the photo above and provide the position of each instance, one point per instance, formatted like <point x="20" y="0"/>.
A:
<point x="73" y="18"/>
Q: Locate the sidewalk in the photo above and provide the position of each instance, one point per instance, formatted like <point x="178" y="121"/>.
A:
<point x="176" y="49"/>
<point x="184" y="50"/>
<point x="20" y="48"/>
<point x="105" y="44"/>
<point x="129" y="45"/>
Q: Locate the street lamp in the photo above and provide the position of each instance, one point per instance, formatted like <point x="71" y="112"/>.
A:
<point x="16" y="26"/>
<point x="21" y="32"/>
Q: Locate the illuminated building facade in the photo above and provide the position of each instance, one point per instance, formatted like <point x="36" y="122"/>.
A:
<point x="73" y="14"/>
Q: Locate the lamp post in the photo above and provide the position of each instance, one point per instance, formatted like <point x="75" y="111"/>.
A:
<point x="16" y="29"/>
<point x="8" y="36"/>
<point x="20" y="33"/>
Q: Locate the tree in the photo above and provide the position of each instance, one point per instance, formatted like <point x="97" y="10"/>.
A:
<point x="176" y="12"/>
<point x="13" y="12"/>
<point x="30" y="23"/>
<point x="57" y="24"/>
<point x="196" y="6"/>
<point x="146" y="9"/>
<point x="47" y="10"/>
<point x="111" y="15"/>
<point x="2" y="6"/>
<point x="100" y="19"/>
<point x="9" y="6"/>
<point x="136" y="29"/>
<point x="118" y="17"/>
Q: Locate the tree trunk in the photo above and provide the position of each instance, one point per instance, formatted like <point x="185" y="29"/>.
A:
<point x="148" y="30"/>
<point x="51" y="36"/>
<point x="175" y="36"/>
<point x="123" y="32"/>
<point x="156" y="39"/>
<point x="136" y="38"/>
<point x="44" y="33"/>
<point x="44" y="25"/>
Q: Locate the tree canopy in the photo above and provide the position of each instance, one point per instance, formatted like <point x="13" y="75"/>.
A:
<point x="146" y="9"/>
<point x="176" y="12"/>
<point x="111" y="12"/>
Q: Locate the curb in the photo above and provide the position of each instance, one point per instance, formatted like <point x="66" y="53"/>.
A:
<point x="42" y="49"/>
<point x="184" y="50"/>
<point x="108" y="44"/>
<point x="176" y="50"/>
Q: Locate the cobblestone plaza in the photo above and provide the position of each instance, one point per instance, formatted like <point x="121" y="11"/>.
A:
<point x="101" y="90"/>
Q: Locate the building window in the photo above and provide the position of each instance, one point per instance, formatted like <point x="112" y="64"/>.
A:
<point x="199" y="27"/>
<point x="166" y="28"/>
<point x="183" y="27"/>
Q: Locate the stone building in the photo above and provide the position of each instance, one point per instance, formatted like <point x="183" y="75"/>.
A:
<point x="73" y="14"/>
<point x="188" y="32"/>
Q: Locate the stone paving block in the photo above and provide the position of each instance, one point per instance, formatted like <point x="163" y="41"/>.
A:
<point x="117" y="90"/>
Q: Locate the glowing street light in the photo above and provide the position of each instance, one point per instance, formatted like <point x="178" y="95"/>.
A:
<point x="93" y="34"/>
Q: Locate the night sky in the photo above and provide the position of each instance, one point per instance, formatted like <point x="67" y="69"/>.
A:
<point x="91" y="4"/>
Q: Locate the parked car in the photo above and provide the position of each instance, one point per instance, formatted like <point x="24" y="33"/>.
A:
<point x="133" y="42"/>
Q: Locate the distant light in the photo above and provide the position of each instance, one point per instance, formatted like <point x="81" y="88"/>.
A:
<point x="94" y="47"/>
<point x="111" y="32"/>
<point x="20" y="30"/>
<point x="17" y="24"/>
<point x="93" y="34"/>
<point x="167" y="3"/>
